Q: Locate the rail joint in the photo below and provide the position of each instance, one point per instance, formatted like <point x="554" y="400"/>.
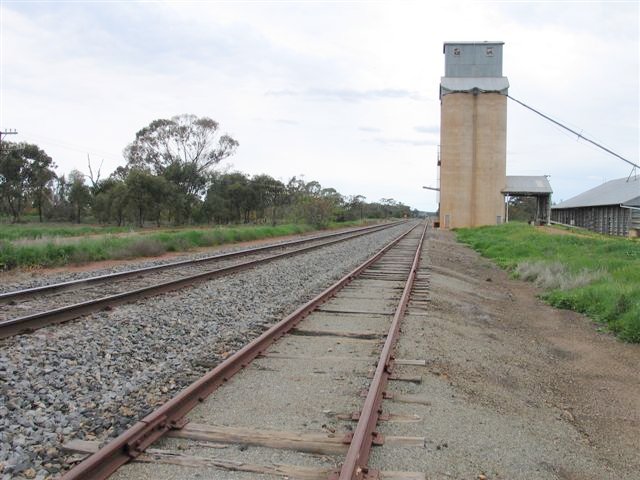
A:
<point x="149" y="434"/>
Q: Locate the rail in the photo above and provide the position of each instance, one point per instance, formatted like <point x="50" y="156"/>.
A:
<point x="38" y="320"/>
<point x="171" y="415"/>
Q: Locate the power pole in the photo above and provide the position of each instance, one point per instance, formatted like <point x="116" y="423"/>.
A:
<point x="6" y="132"/>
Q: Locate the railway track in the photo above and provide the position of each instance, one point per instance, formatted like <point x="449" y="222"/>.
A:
<point x="29" y="309"/>
<point x="291" y="408"/>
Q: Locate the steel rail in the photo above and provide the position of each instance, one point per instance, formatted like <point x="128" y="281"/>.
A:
<point x="355" y="466"/>
<point x="142" y="434"/>
<point x="34" y="321"/>
<point x="13" y="296"/>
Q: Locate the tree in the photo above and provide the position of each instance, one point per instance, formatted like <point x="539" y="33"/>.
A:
<point x="522" y="209"/>
<point x="356" y="203"/>
<point x="147" y="195"/>
<point x="25" y="172"/>
<point x="387" y="206"/>
<point x="79" y="194"/>
<point x="317" y="211"/>
<point x="41" y="178"/>
<point x="269" y="193"/>
<point x="183" y="149"/>
<point x="235" y="187"/>
<point x="110" y="200"/>
<point x="61" y="209"/>
<point x="14" y="182"/>
<point x="187" y="187"/>
<point x="216" y="207"/>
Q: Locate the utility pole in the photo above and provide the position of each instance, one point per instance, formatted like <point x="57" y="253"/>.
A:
<point x="6" y="132"/>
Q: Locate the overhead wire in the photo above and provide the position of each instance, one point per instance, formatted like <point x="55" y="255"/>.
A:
<point x="73" y="147"/>
<point x="578" y="134"/>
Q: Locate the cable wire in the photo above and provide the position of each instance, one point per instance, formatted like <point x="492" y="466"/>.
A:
<point x="579" y="135"/>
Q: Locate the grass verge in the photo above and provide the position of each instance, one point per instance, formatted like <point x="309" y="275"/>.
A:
<point x="595" y="275"/>
<point x="108" y="247"/>
<point x="32" y="232"/>
<point x="52" y="253"/>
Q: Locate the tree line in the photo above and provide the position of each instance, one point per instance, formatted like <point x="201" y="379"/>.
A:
<point x="170" y="178"/>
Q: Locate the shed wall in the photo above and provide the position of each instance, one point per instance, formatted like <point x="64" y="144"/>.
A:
<point x="607" y="219"/>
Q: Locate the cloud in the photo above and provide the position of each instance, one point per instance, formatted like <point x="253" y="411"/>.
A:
<point x="404" y="141"/>
<point x="349" y="95"/>
<point x="80" y="77"/>
<point x="285" y="121"/>
<point x="434" y="130"/>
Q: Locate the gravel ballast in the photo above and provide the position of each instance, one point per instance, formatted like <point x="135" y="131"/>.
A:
<point x="31" y="278"/>
<point x="94" y="377"/>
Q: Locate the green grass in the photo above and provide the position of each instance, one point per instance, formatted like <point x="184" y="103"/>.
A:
<point x="106" y="247"/>
<point x="31" y="231"/>
<point x="591" y="274"/>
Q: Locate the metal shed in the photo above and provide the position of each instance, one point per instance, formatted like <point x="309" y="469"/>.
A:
<point x="612" y="208"/>
<point x="530" y="186"/>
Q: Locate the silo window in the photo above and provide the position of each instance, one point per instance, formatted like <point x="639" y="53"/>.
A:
<point x="489" y="51"/>
<point x="456" y="52"/>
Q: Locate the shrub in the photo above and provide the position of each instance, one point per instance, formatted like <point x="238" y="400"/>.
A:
<point x="141" y="247"/>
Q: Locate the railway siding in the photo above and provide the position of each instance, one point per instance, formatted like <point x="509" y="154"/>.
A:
<point x="92" y="378"/>
<point x="293" y="406"/>
<point x="26" y="310"/>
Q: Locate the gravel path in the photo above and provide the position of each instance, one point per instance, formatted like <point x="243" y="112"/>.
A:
<point x="514" y="389"/>
<point x="94" y="377"/>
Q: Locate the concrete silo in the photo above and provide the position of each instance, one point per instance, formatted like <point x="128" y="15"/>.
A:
<point x="473" y="135"/>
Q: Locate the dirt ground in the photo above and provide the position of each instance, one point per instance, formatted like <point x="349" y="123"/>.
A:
<point x="516" y="388"/>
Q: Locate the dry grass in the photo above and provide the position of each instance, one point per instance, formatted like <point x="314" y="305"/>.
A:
<point x="596" y="275"/>
<point x="140" y="247"/>
<point x="555" y="275"/>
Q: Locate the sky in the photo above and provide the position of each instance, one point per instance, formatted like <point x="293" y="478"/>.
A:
<point x="344" y="93"/>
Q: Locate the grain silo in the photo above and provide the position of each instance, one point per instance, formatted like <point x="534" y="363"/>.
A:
<point x="473" y="135"/>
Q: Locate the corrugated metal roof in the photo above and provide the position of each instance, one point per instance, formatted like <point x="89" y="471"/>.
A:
<point x="527" y="184"/>
<point x="467" y="84"/>
<point x="622" y="191"/>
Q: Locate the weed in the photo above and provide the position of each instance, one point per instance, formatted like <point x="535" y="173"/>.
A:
<point x="52" y="251"/>
<point x="141" y="247"/>
<point x="555" y="275"/>
<point x="595" y="275"/>
<point x="45" y="231"/>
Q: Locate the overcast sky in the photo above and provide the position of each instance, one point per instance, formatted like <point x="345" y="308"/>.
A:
<point x="345" y="93"/>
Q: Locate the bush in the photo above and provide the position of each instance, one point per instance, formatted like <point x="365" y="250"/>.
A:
<point x="141" y="247"/>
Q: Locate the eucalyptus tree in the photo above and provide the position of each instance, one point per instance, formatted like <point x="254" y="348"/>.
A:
<point x="79" y="194"/>
<point x="26" y="172"/>
<point x="147" y="195"/>
<point x="356" y="204"/>
<point x="183" y="149"/>
<point x="270" y="195"/>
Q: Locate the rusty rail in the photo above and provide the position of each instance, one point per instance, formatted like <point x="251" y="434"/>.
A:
<point x="355" y="466"/>
<point x="7" y="297"/>
<point x="34" y="321"/>
<point x="171" y="415"/>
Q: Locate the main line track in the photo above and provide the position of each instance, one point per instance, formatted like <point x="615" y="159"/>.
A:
<point x="296" y="391"/>
<point x="65" y="301"/>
